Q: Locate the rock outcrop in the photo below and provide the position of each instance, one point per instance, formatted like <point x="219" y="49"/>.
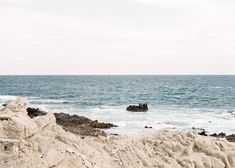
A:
<point x="81" y="125"/>
<point x="18" y="105"/>
<point x="220" y="135"/>
<point x="40" y="142"/>
<point x="203" y="132"/>
<point x="35" y="112"/>
<point x="148" y="127"/>
<point x="139" y="108"/>
<point x="230" y="138"/>
<point x="74" y="123"/>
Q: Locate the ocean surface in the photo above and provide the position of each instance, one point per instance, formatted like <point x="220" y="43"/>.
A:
<point x="175" y="102"/>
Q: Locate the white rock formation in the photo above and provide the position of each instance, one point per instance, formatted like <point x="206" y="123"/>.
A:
<point x="19" y="105"/>
<point x="40" y="143"/>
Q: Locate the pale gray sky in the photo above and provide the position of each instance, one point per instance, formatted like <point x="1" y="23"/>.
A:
<point x="117" y="37"/>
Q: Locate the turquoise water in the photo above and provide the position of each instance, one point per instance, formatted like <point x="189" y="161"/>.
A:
<point x="177" y="102"/>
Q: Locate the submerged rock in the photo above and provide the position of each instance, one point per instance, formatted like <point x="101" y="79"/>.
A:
<point x="139" y="108"/>
<point x="35" y="112"/>
<point x="148" y="127"/>
<point x="230" y="111"/>
<point x="81" y="125"/>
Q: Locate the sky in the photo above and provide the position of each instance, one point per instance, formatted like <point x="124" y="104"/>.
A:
<point x="82" y="37"/>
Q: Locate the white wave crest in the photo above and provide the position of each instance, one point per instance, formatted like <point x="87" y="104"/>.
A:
<point x="7" y="97"/>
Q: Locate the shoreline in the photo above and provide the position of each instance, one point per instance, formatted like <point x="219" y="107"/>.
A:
<point x="214" y="118"/>
<point x="40" y="142"/>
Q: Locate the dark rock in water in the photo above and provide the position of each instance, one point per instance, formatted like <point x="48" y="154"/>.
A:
<point x="96" y="124"/>
<point x="214" y="135"/>
<point x="62" y="118"/>
<point x="139" y="108"/>
<point x="81" y="125"/>
<point x="35" y="112"/>
<point x="199" y="129"/>
<point x="4" y="104"/>
<point x="230" y="138"/>
<point x="203" y="133"/>
<point x="65" y="102"/>
<point x="114" y="134"/>
<point x="74" y="123"/>
<point x="230" y="111"/>
<point x="220" y="135"/>
<point x="147" y="127"/>
<point x="79" y="120"/>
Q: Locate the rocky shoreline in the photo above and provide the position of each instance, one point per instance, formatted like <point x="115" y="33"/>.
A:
<point x="30" y="138"/>
<point x="74" y="123"/>
<point x="203" y="132"/>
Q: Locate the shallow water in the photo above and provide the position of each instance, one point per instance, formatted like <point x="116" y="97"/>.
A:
<point x="176" y="102"/>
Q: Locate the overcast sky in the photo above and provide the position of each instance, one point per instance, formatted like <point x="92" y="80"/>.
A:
<point x="117" y="37"/>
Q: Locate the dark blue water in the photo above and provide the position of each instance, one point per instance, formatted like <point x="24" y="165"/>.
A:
<point x="105" y="97"/>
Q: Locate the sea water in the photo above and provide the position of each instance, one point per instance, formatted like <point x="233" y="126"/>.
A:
<point x="175" y="102"/>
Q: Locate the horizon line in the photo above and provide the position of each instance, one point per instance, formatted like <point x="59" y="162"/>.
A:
<point x="117" y="74"/>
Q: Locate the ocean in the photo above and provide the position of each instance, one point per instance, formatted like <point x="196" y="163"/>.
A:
<point x="175" y="102"/>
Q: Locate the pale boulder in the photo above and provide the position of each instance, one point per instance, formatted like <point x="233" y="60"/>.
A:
<point x="18" y="105"/>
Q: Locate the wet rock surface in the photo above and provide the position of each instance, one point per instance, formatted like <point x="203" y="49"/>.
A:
<point x="139" y="108"/>
<point x="35" y="112"/>
<point x="230" y="138"/>
<point x="148" y="127"/>
<point x="220" y="135"/>
<point x="81" y="125"/>
<point x="203" y="133"/>
<point x="74" y="123"/>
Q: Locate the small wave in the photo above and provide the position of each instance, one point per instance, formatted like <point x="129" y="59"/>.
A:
<point x="7" y="97"/>
<point x="105" y="109"/>
<point x="216" y="87"/>
<point x="52" y="101"/>
<point x="231" y="111"/>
